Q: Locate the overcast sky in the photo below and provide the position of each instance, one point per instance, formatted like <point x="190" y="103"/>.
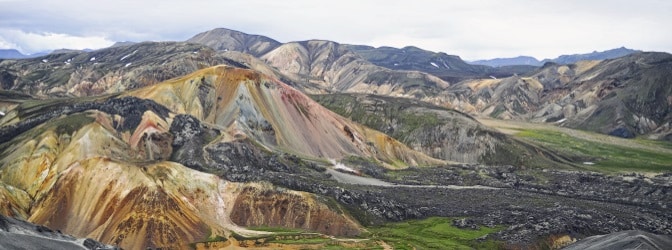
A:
<point x="472" y="29"/>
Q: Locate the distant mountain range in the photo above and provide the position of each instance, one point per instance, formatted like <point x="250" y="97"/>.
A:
<point x="15" y="54"/>
<point x="563" y="59"/>
<point x="323" y="67"/>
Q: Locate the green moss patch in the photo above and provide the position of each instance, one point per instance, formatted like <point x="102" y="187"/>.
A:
<point x="433" y="233"/>
<point x="604" y="157"/>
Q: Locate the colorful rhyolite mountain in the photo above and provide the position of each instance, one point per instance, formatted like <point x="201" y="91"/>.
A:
<point x="106" y="170"/>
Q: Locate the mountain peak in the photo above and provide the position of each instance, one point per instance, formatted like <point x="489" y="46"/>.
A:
<point x="226" y="39"/>
<point x="276" y="115"/>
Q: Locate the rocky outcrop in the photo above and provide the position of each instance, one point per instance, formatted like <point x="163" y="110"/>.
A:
<point x="19" y="234"/>
<point x="131" y="110"/>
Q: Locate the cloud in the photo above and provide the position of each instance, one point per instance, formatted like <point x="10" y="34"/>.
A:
<point x="30" y="43"/>
<point x="471" y="29"/>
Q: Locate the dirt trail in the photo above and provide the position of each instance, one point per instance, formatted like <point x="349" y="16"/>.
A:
<point x="360" y="180"/>
<point x="385" y="245"/>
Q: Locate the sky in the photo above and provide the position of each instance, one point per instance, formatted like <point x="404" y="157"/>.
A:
<point x="471" y="29"/>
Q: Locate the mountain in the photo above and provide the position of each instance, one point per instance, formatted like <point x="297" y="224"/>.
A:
<point x="626" y="96"/>
<point x="11" y="54"/>
<point x="119" y="149"/>
<point x="417" y="59"/>
<point x="225" y="39"/>
<point x="563" y="59"/>
<point x="335" y="68"/>
<point x="105" y="71"/>
<point x="439" y="132"/>
<point x="15" y="54"/>
<point x="276" y="115"/>
<point x="447" y="67"/>
<point x="595" y="55"/>
<point x="499" y="62"/>
<point x="111" y="70"/>
<point x="319" y="66"/>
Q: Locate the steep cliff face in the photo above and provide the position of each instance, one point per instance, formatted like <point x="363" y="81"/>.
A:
<point x="266" y="206"/>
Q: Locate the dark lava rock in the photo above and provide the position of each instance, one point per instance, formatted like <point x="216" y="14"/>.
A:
<point x="625" y="240"/>
<point x="465" y="223"/>
<point x="130" y="108"/>
<point x="622" y="132"/>
<point x="190" y="137"/>
<point x="19" y="234"/>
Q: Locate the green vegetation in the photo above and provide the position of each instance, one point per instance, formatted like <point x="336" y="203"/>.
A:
<point x="607" y="157"/>
<point x="389" y="115"/>
<point x="433" y="233"/>
<point x="652" y="143"/>
<point x="499" y="109"/>
<point x="430" y="233"/>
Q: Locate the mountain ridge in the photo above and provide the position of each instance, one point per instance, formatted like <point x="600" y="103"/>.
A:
<point x="562" y="59"/>
<point x="226" y="39"/>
